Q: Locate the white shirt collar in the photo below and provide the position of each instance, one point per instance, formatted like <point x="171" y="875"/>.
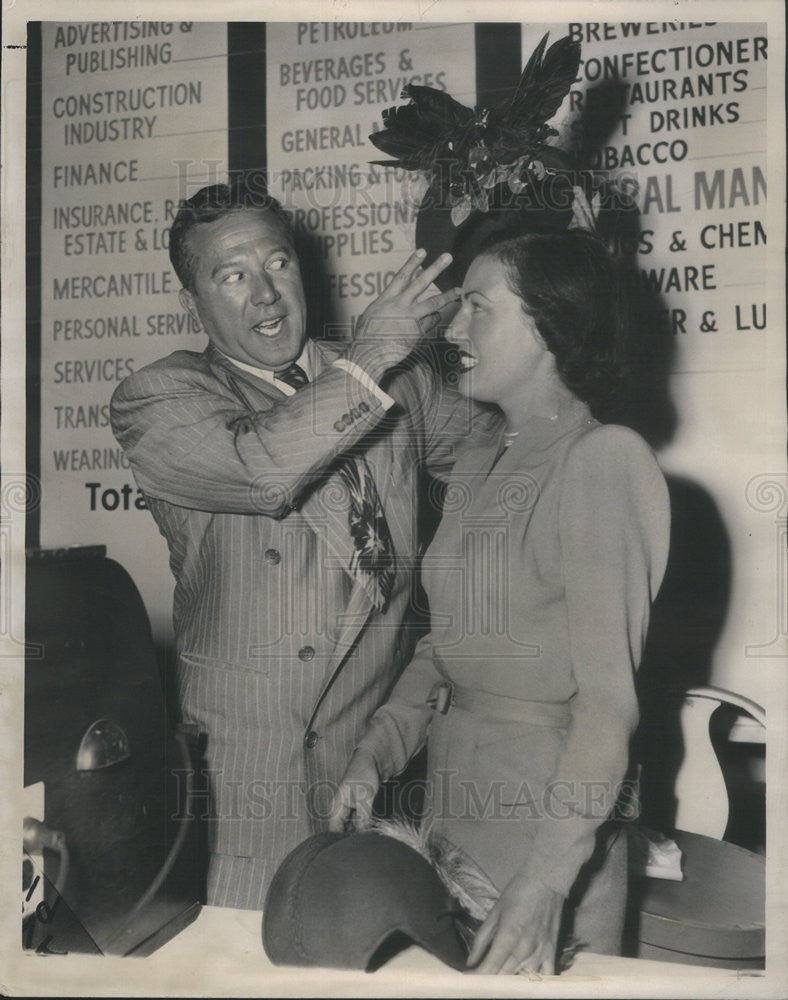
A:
<point x="303" y="361"/>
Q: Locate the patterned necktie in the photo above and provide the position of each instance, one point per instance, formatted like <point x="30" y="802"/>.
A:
<point x="294" y="375"/>
<point x="373" y="562"/>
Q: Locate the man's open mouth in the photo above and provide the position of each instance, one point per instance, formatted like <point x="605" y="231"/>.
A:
<point x="465" y="360"/>
<point x="270" y="327"/>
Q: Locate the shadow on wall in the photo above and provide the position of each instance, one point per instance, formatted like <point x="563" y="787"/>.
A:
<point x="320" y="308"/>
<point x="686" y="622"/>
<point x="650" y="410"/>
<point x="692" y="606"/>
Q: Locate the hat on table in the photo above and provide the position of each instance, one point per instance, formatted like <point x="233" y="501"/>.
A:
<point x="338" y="898"/>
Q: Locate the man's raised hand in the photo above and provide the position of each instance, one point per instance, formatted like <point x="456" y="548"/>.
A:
<point x="389" y="328"/>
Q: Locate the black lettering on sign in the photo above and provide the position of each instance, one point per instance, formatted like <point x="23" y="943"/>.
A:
<point x="135" y="127"/>
<point x="330" y="95"/>
<point x="332" y="218"/>
<point x="167" y="324"/>
<point x="304" y="140"/>
<point x="359" y="242"/>
<point x="323" y="177"/>
<point x="381" y="91"/>
<point x="107" y="286"/>
<point x="728" y="188"/>
<point x="84" y="174"/>
<point x="593" y="31"/>
<point x="97" y="328"/>
<point x="111" y="498"/>
<point x="330" y="69"/>
<point x="122" y="101"/>
<point x="350" y="286"/>
<point x="79" y="459"/>
<point x="658" y="195"/>
<point x="100" y="216"/>
<point x="661" y="89"/>
<point x="673" y="59"/>
<point x="109" y="32"/>
<point x="79" y="372"/>
<point x="725" y="235"/>
<point x="751" y="317"/>
<point x="70" y="416"/>
<point x="94" y="242"/>
<point x="317" y="32"/>
<point x="679" y="279"/>
<point x="699" y="116"/>
<point x="644" y="155"/>
<point x="127" y="57"/>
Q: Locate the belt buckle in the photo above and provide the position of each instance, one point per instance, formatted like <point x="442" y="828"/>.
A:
<point x="441" y="696"/>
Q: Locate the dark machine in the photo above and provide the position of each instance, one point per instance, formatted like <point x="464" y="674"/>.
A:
<point x="114" y="865"/>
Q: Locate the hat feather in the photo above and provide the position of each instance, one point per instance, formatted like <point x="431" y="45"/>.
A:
<point x="463" y="878"/>
<point x="469" y="150"/>
<point x="420" y="132"/>
<point x="545" y="82"/>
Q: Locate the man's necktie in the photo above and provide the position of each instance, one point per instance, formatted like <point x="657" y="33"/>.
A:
<point x="294" y="375"/>
<point x="373" y="562"/>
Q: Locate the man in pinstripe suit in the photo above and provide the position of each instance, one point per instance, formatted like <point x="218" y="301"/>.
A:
<point x="286" y="642"/>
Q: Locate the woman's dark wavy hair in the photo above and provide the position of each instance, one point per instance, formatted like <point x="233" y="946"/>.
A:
<point x="572" y="287"/>
<point x="245" y="191"/>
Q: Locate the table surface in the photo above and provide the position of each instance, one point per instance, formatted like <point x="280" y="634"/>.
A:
<point x="221" y="954"/>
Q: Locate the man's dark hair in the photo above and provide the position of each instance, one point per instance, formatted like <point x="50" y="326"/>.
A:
<point x="573" y="289"/>
<point x="212" y="203"/>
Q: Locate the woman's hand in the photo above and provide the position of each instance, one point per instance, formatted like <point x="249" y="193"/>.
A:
<point x="521" y="930"/>
<point x="389" y="328"/>
<point x="356" y="792"/>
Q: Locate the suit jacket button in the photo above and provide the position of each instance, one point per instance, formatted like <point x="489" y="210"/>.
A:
<point x="306" y="653"/>
<point x="310" y="740"/>
<point x="273" y="556"/>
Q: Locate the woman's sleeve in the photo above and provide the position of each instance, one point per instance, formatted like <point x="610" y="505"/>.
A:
<point x="614" y="522"/>
<point x="399" y="727"/>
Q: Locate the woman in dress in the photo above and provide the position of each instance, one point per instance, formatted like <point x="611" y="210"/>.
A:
<point x="540" y="579"/>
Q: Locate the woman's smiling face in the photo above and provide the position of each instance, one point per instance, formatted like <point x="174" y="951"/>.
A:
<point x="499" y="345"/>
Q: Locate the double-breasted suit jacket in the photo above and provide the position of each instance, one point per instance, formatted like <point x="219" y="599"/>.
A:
<point x="281" y="658"/>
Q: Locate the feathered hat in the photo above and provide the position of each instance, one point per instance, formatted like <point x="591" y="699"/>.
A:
<point x="489" y="169"/>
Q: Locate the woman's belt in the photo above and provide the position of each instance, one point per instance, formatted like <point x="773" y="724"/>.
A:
<point x="445" y="695"/>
